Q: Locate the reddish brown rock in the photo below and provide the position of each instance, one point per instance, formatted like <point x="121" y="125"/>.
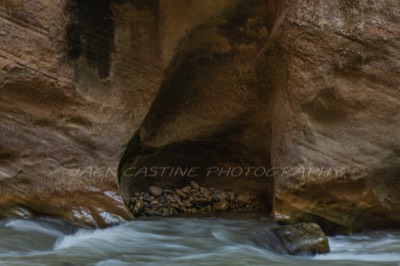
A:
<point x="310" y="87"/>
<point x="302" y="239"/>
<point x="336" y="79"/>
<point x="294" y="85"/>
<point x="66" y="106"/>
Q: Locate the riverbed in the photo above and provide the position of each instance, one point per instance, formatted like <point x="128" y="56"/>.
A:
<point x="178" y="241"/>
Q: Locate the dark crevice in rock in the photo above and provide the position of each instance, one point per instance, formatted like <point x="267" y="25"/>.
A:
<point x="73" y="31"/>
<point x="91" y="32"/>
<point x="206" y="113"/>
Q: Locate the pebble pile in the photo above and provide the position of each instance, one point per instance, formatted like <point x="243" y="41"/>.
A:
<point x="190" y="199"/>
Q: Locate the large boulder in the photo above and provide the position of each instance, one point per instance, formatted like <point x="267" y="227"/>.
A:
<point x="296" y="239"/>
<point x="302" y="239"/>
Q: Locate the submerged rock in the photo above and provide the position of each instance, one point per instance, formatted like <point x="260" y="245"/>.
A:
<point x="302" y="238"/>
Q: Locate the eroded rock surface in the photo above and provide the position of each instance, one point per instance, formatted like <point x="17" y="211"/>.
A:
<point x="302" y="84"/>
<point x="70" y="72"/>
<point x="212" y="109"/>
<point x="316" y="90"/>
<point x="77" y="78"/>
<point x="336" y="78"/>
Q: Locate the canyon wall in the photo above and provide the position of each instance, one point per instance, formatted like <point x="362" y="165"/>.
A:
<point x="309" y="88"/>
<point x="336" y="81"/>
<point x="76" y="79"/>
<point x="316" y="99"/>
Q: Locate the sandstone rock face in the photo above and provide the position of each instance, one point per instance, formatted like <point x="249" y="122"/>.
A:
<point x="337" y="98"/>
<point x="212" y="109"/>
<point x="308" y="87"/>
<point x="301" y="86"/>
<point x="75" y="82"/>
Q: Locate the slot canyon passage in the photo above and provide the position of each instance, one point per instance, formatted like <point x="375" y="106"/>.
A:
<point x="95" y="95"/>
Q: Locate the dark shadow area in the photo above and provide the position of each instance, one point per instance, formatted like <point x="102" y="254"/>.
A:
<point x="217" y="151"/>
<point x="212" y="110"/>
<point x="90" y="32"/>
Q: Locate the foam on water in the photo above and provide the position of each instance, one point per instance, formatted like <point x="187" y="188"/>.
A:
<point x="373" y="247"/>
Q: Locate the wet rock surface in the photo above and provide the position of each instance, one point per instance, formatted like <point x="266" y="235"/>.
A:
<point x="303" y="238"/>
<point x="296" y="239"/>
<point x="191" y="199"/>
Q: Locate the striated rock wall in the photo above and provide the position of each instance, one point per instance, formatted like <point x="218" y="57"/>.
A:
<point x="336" y="68"/>
<point x="301" y="86"/>
<point x="76" y="78"/>
<point x="317" y="100"/>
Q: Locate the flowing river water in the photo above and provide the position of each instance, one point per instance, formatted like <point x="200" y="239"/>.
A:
<point x="178" y="241"/>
